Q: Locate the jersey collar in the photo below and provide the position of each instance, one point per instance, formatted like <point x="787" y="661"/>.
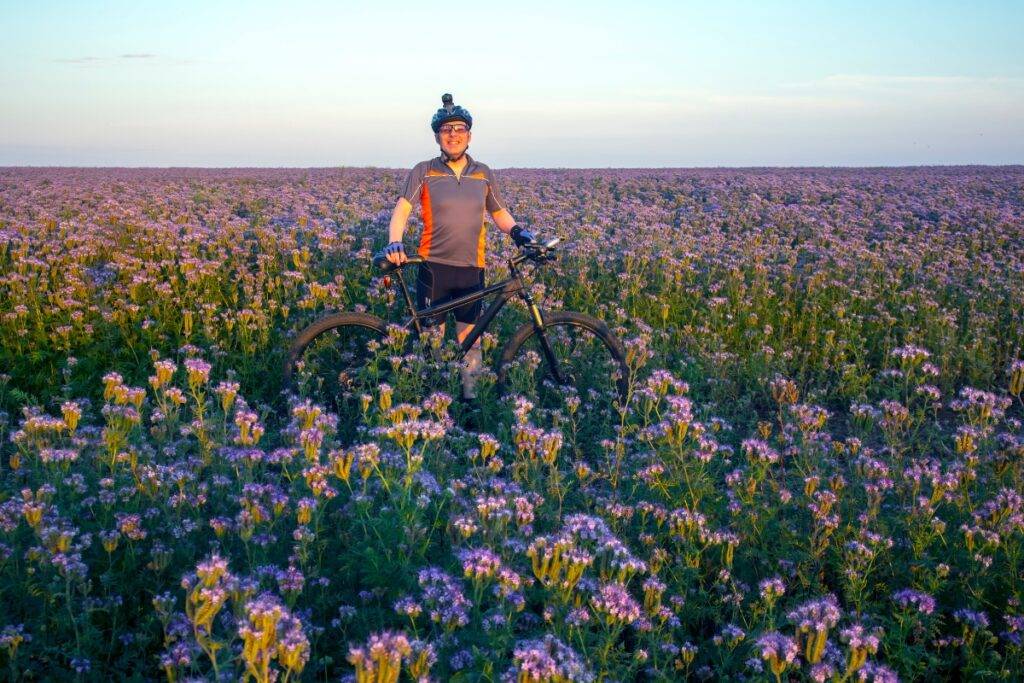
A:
<point x="439" y="162"/>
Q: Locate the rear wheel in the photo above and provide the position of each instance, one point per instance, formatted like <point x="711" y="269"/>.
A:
<point x="336" y="358"/>
<point x="592" y="372"/>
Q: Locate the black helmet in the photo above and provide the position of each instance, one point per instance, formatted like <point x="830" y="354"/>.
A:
<point x="449" y="112"/>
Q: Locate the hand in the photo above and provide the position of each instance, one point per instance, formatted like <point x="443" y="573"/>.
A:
<point x="522" y="237"/>
<point x="395" y="253"/>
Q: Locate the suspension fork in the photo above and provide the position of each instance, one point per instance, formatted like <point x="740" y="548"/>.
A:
<point x="545" y="345"/>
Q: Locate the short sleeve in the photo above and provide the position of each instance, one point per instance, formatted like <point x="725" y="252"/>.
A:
<point x="495" y="202"/>
<point x="413" y="183"/>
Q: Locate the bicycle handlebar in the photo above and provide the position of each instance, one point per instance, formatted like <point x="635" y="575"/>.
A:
<point x="381" y="262"/>
<point x="536" y="251"/>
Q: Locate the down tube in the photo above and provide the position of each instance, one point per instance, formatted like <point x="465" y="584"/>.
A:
<point x="485" y="320"/>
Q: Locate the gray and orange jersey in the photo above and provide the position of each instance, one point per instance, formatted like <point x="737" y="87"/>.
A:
<point x="453" y="210"/>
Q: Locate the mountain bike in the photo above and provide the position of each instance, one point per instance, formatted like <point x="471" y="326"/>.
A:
<point x="558" y="360"/>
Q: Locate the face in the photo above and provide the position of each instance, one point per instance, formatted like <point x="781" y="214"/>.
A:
<point x="454" y="144"/>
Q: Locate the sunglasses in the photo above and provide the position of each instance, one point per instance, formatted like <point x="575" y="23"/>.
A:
<point x="453" y="130"/>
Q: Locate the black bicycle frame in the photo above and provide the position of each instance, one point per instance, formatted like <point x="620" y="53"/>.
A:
<point x="503" y="292"/>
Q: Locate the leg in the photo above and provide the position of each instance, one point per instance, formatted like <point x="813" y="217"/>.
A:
<point x="439" y="283"/>
<point x="427" y="294"/>
<point x="474" y="361"/>
<point x="465" y="319"/>
<point x="462" y="331"/>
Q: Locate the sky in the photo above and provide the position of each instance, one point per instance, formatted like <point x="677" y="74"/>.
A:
<point x="549" y="83"/>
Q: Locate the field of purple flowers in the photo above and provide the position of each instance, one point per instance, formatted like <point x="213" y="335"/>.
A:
<point x="817" y="474"/>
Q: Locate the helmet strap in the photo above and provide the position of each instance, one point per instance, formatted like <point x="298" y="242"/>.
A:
<point x="447" y="158"/>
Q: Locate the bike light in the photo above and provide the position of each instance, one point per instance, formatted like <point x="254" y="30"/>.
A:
<point x="387" y="280"/>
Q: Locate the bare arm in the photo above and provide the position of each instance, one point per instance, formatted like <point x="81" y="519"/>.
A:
<point x="503" y="219"/>
<point x="399" y="219"/>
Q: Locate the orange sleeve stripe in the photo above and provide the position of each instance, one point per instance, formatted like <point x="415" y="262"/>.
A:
<point x="428" y="222"/>
<point x="480" y="244"/>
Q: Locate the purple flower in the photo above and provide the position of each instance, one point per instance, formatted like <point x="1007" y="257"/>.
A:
<point x="759" y="451"/>
<point x="383" y="650"/>
<point x="859" y="638"/>
<point x="81" y="665"/>
<point x="409" y="607"/>
<point x="774" y="645"/>
<point x="577" y="616"/>
<point x="291" y="580"/>
<point x="12" y="636"/>
<point x="616" y="604"/>
<point x="479" y="564"/>
<point x="460" y="660"/>
<point x="971" y="619"/>
<point x="443" y="598"/>
<point x="1014" y="633"/>
<point x="816" y="615"/>
<point x="731" y="635"/>
<point x="876" y="673"/>
<point x="772" y="589"/>
<point x="910" y="598"/>
<point x="547" y="660"/>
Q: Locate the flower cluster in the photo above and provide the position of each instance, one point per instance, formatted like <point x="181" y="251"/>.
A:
<point x="547" y="660"/>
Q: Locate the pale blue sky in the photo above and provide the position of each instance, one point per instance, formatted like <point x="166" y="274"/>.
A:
<point x="550" y="84"/>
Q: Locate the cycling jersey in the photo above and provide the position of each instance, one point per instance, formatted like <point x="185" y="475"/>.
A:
<point x="453" y="210"/>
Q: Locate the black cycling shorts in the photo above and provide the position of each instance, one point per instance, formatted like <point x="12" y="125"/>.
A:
<point x="438" y="283"/>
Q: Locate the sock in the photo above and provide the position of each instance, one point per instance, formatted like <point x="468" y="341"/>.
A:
<point x="470" y="371"/>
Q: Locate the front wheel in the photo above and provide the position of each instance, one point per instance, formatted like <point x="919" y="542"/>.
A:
<point x="591" y="366"/>
<point x="333" y="358"/>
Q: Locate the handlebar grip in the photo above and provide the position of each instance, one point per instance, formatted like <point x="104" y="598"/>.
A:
<point x="381" y="262"/>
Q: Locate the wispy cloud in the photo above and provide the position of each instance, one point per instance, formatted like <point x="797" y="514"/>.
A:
<point x="782" y="101"/>
<point x="882" y="81"/>
<point x="78" y="60"/>
<point x="967" y="95"/>
<point x="106" y="61"/>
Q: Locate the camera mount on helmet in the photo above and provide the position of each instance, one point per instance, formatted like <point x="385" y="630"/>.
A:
<point x="449" y="111"/>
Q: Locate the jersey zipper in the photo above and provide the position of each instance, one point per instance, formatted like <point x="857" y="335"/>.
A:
<point x="458" y="177"/>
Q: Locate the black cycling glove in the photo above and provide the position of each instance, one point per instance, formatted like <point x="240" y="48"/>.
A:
<point x="522" y="237"/>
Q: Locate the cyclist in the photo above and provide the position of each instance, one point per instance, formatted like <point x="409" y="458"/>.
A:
<point x="454" y="192"/>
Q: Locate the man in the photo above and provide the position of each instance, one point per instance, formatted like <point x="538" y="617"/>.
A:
<point x="454" y="192"/>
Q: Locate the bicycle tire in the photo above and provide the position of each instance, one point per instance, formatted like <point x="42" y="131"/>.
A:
<point x="335" y="344"/>
<point x="597" y="336"/>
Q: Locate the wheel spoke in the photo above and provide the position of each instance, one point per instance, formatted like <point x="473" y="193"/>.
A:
<point x="332" y="368"/>
<point x="589" y="367"/>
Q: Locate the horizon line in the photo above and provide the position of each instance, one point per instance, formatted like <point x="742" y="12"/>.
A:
<point x="521" y="168"/>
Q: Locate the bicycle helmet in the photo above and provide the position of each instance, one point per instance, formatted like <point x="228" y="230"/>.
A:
<point x="449" y="112"/>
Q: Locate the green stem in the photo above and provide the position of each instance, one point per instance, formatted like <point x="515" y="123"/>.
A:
<point x="71" y="614"/>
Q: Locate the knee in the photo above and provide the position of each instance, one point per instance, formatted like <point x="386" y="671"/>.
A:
<point x="474" y="358"/>
<point x="463" y="330"/>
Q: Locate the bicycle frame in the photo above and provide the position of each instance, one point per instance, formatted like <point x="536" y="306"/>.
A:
<point x="503" y="292"/>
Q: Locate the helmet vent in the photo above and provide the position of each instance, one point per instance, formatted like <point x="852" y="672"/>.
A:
<point x="450" y="112"/>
